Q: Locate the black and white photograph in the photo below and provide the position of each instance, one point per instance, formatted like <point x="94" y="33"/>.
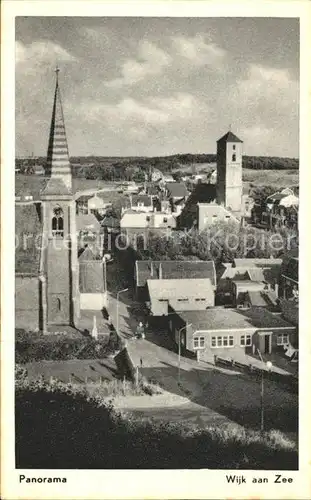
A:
<point x="156" y="245"/>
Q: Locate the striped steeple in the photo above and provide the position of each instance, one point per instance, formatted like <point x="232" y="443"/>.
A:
<point x="58" y="164"/>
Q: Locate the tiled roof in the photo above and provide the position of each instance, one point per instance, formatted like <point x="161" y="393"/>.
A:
<point x="176" y="189"/>
<point x="173" y="269"/>
<point x="58" y="163"/>
<point x="257" y="262"/>
<point x="217" y="318"/>
<point x="91" y="276"/>
<point x="87" y="221"/>
<point x="84" y="197"/>
<point x="256" y="298"/>
<point x="55" y="185"/>
<point x="87" y="255"/>
<point x="27" y="222"/>
<point x="229" y="137"/>
<point x="143" y="199"/>
<point x="290" y="268"/>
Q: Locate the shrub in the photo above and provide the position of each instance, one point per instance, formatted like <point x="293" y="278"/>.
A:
<point x="62" y="348"/>
<point x="58" y="425"/>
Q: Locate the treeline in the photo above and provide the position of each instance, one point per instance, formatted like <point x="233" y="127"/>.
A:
<point x="129" y="168"/>
<point x="221" y="242"/>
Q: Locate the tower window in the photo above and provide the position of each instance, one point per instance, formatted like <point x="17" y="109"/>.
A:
<point x="233" y="147"/>
<point x="234" y="157"/>
<point x="58" y="223"/>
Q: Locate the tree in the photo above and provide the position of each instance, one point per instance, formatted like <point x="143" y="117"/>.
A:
<point x="138" y="176"/>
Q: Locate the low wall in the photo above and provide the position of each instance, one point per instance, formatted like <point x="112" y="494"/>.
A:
<point x="290" y="381"/>
<point x="27" y="302"/>
<point x="125" y="364"/>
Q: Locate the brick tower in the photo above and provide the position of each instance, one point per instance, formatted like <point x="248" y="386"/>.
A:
<point x="60" y="296"/>
<point x="229" y="172"/>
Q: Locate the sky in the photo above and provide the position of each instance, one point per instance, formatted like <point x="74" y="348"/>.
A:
<point x="144" y="86"/>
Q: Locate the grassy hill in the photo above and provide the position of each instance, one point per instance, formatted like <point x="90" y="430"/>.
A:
<point x="59" y="426"/>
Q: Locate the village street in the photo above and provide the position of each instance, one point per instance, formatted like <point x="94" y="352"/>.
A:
<point x="212" y="393"/>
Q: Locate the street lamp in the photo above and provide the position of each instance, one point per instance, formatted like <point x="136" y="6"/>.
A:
<point x="179" y="334"/>
<point x="105" y="272"/>
<point x="118" y="293"/>
<point x="269" y="368"/>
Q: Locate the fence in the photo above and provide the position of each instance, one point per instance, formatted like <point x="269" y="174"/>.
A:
<point x="290" y="381"/>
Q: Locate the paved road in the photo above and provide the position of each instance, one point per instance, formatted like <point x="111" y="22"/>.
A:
<point x="215" y="395"/>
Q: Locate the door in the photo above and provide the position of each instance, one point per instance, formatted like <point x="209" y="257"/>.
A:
<point x="267" y="344"/>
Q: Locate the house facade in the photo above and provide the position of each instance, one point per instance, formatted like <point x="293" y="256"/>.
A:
<point x="231" y="332"/>
<point x="210" y="213"/>
<point x="180" y="295"/>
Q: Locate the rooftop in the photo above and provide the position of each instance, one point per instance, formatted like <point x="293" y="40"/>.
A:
<point x="174" y="269"/>
<point x="91" y="276"/>
<point x="143" y="199"/>
<point x="56" y="185"/>
<point x="176" y="189"/>
<point x="229" y="137"/>
<point x="87" y="221"/>
<point x="27" y="253"/>
<point x="257" y="262"/>
<point x="84" y="197"/>
<point x="217" y="318"/>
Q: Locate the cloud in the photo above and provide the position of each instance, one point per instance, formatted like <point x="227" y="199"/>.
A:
<point x="39" y="54"/>
<point x="269" y="83"/>
<point x="151" y="60"/>
<point x="198" y="52"/>
<point x="137" y="118"/>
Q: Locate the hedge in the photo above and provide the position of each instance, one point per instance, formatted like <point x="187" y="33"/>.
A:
<point x="62" y="348"/>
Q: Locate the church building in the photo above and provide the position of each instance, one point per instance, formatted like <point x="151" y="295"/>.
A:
<point x="49" y="290"/>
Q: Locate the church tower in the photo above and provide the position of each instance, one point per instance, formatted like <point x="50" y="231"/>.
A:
<point x="229" y="172"/>
<point x="59" y="252"/>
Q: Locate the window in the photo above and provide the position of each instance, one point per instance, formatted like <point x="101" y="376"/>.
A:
<point x="198" y="342"/>
<point x="58" y="222"/>
<point x="222" y="341"/>
<point x="245" y="340"/>
<point x="183" y="300"/>
<point x="165" y="219"/>
<point x="282" y="339"/>
<point x="200" y="300"/>
<point x="82" y="207"/>
<point x="233" y="147"/>
<point x="59" y="305"/>
<point x="234" y="157"/>
<point x="148" y="218"/>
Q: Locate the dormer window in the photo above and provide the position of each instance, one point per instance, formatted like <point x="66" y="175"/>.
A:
<point x="58" y="223"/>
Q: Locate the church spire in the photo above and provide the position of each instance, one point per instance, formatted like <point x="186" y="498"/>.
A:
<point x="57" y="156"/>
